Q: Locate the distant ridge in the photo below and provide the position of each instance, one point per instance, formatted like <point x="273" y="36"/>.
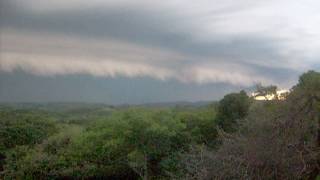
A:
<point x="178" y="103"/>
<point x="68" y="105"/>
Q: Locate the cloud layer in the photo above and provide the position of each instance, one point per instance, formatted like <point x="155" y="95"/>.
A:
<point x="239" y="43"/>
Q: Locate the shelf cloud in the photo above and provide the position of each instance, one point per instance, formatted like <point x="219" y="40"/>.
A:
<point x="203" y="42"/>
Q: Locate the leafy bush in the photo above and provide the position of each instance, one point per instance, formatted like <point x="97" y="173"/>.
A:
<point x="24" y="128"/>
<point x="232" y="108"/>
<point x="277" y="140"/>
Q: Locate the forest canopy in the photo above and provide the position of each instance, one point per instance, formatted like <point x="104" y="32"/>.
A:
<point x="235" y="138"/>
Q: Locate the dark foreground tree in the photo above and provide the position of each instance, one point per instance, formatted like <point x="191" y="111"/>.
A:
<point x="267" y="92"/>
<point x="277" y="140"/>
<point x="232" y="108"/>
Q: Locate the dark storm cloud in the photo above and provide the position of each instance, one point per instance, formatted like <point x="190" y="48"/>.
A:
<point x="239" y="43"/>
<point x="23" y="87"/>
<point x="140" y="26"/>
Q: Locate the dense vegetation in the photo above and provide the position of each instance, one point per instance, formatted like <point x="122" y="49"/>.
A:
<point x="236" y="138"/>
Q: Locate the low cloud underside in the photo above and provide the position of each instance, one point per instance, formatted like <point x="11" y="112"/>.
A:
<point x="237" y="43"/>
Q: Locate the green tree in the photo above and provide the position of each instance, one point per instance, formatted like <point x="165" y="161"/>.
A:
<point x="23" y="127"/>
<point x="305" y="99"/>
<point x="266" y="91"/>
<point x="276" y="140"/>
<point x="231" y="108"/>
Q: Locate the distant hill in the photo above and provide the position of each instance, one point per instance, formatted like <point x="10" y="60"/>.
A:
<point x="90" y="106"/>
<point x="178" y="103"/>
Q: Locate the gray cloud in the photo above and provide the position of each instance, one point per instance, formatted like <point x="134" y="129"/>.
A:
<point x="24" y="87"/>
<point x="240" y="43"/>
<point x="42" y="55"/>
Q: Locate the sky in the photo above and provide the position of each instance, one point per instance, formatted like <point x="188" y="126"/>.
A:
<point x="142" y="51"/>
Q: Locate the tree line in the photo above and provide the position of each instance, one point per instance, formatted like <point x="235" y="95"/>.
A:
<point x="235" y="138"/>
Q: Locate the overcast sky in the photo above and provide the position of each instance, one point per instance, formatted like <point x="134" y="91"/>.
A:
<point x="121" y="51"/>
